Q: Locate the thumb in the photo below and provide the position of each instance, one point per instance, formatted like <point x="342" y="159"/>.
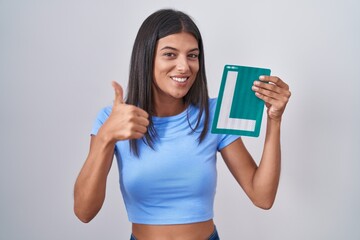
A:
<point x="119" y="97"/>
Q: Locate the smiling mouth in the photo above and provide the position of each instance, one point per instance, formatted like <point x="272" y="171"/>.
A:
<point x="180" y="79"/>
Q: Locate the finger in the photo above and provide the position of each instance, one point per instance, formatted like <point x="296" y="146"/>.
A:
<point x="276" y="80"/>
<point x="268" y="100"/>
<point x="139" y="121"/>
<point x="272" y="88"/>
<point x="270" y="91"/>
<point x="137" y="111"/>
<point x="137" y="131"/>
<point x="136" y="135"/>
<point x="119" y="99"/>
<point x="270" y="97"/>
<point x="140" y="129"/>
<point x="266" y="86"/>
<point x="279" y="101"/>
<point x="142" y="113"/>
<point x="143" y="121"/>
<point x="264" y="92"/>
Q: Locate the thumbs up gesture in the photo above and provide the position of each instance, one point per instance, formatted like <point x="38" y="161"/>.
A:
<point x="125" y="121"/>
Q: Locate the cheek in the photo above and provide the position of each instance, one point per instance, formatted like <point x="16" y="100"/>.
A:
<point x="161" y="68"/>
<point x="158" y="71"/>
<point x="195" y="68"/>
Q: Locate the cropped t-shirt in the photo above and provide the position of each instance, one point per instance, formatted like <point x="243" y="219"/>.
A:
<point x="175" y="182"/>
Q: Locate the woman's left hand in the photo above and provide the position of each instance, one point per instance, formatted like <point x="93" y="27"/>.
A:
<point x="275" y="94"/>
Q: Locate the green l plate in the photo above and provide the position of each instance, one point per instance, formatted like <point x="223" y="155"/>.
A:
<point x="238" y="111"/>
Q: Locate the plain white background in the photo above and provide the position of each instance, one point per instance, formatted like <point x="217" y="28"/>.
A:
<point x="57" y="60"/>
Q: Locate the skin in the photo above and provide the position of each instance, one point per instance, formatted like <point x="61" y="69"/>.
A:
<point x="176" y="59"/>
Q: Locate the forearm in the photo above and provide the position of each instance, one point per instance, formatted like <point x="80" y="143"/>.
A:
<point x="267" y="175"/>
<point x="90" y="186"/>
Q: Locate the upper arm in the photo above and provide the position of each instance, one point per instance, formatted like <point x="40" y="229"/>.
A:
<point x="240" y="163"/>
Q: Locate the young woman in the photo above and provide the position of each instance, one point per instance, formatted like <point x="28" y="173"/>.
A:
<point x="160" y="135"/>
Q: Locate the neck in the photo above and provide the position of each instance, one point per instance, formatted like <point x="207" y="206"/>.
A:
<point x="168" y="108"/>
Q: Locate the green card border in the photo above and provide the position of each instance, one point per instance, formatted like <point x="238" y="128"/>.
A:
<point x="214" y="129"/>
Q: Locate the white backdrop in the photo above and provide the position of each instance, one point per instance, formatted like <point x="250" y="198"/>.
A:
<point x="57" y="60"/>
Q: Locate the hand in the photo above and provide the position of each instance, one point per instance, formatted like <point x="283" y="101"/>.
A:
<point x="125" y="121"/>
<point x="275" y="94"/>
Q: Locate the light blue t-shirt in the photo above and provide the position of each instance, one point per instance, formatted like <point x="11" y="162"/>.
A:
<point x="176" y="182"/>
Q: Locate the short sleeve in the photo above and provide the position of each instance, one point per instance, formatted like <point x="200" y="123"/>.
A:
<point x="100" y="119"/>
<point x="224" y="140"/>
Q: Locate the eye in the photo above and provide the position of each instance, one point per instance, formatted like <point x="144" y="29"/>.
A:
<point x="193" y="55"/>
<point x="169" y="54"/>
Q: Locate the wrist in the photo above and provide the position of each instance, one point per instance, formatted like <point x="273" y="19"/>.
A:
<point x="274" y="120"/>
<point x="105" y="137"/>
<point x="273" y="123"/>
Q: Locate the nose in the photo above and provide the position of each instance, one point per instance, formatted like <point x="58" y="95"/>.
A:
<point x="182" y="65"/>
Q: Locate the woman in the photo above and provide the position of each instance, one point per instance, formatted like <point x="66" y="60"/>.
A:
<point x="160" y="136"/>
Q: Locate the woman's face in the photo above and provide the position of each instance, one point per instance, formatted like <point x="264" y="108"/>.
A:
<point x="176" y="65"/>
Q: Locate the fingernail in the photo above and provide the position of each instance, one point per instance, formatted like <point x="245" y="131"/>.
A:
<point x="256" y="82"/>
<point x="262" y="77"/>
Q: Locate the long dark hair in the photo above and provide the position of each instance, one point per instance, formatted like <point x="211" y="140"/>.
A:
<point x="158" y="25"/>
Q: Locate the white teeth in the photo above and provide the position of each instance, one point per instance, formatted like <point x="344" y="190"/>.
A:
<point x="179" y="79"/>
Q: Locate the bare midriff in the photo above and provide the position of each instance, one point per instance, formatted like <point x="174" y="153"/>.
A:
<point x="192" y="231"/>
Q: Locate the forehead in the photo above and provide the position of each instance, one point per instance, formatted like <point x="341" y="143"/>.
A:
<point x="178" y="40"/>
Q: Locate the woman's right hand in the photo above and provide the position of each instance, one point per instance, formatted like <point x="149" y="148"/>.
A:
<point x="125" y="121"/>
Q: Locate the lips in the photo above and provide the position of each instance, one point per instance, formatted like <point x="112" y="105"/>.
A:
<point x="180" y="79"/>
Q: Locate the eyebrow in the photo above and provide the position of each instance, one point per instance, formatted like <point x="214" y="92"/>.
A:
<point x="174" y="49"/>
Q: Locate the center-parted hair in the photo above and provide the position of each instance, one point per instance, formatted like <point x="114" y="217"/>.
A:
<point x="158" y="25"/>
